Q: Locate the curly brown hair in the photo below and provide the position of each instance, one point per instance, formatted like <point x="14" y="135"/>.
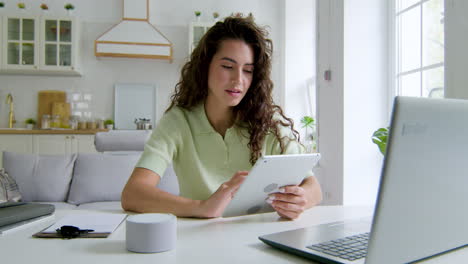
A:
<point x="255" y="111"/>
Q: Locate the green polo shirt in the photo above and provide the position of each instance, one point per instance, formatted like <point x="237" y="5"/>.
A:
<point x="202" y="159"/>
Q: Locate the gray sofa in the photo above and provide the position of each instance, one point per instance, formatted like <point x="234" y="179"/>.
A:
<point x="78" y="181"/>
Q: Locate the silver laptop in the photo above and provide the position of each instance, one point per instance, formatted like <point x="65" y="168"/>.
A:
<point x="14" y="214"/>
<point x="421" y="204"/>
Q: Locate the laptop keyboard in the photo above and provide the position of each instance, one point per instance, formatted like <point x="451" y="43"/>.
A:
<point x="350" y="248"/>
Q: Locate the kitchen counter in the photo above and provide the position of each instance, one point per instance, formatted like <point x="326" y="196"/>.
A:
<point x="24" y="131"/>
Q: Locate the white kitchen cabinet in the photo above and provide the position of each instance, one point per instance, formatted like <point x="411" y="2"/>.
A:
<point x="63" y="144"/>
<point x="20" y="43"/>
<point x="46" y="144"/>
<point x="40" y="45"/>
<point x="83" y="144"/>
<point x="52" y="144"/>
<point x="59" y="45"/>
<point x="15" y="143"/>
<point x="196" y="32"/>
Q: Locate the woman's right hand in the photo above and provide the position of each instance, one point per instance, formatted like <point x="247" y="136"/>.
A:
<point x="219" y="200"/>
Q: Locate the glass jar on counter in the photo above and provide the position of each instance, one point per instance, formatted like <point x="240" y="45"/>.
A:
<point x="55" y="122"/>
<point x="100" y="124"/>
<point x="73" y="122"/>
<point x="45" y="122"/>
<point x="91" y="124"/>
<point x="82" y="124"/>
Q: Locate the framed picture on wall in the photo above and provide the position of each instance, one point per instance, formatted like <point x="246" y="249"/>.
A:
<point x="134" y="101"/>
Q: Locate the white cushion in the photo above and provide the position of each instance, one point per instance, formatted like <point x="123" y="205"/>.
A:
<point x="100" y="177"/>
<point x="102" y="206"/>
<point x="121" y="140"/>
<point x="40" y="178"/>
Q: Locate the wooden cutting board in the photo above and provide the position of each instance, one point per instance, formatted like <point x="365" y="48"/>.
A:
<point x="46" y="100"/>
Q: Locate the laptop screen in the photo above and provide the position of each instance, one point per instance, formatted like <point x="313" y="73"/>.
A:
<point x="422" y="198"/>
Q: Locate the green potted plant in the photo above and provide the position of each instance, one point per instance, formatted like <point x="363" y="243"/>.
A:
<point x="69" y="7"/>
<point x="44" y="7"/>
<point x="197" y="15"/>
<point x="215" y="16"/>
<point x="2" y="4"/>
<point x="379" y="137"/>
<point x="30" y="123"/>
<point x="109" y="123"/>
<point x="308" y="123"/>
<point x="21" y="5"/>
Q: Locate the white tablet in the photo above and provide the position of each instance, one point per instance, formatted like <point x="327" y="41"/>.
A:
<point x="267" y="175"/>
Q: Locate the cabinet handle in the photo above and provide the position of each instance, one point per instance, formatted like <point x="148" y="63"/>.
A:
<point x="73" y="137"/>
<point x="67" y="137"/>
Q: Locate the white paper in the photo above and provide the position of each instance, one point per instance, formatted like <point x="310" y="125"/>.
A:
<point x="100" y="223"/>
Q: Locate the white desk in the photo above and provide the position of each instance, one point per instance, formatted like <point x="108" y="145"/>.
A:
<point x="230" y="240"/>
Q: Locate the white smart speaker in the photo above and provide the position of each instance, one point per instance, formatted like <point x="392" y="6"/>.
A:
<point x="151" y="233"/>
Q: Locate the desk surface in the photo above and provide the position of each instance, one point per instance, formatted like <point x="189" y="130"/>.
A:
<point x="220" y="240"/>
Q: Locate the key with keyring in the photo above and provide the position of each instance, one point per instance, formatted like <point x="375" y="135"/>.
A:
<point x="72" y="231"/>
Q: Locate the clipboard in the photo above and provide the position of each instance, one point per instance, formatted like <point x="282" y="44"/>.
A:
<point x="103" y="225"/>
<point x="42" y="234"/>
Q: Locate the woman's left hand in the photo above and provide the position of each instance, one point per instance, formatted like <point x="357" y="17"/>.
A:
<point x="290" y="202"/>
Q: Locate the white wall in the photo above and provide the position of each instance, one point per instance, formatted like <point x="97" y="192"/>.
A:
<point x="330" y="99"/>
<point x="365" y="96"/>
<point x="352" y="44"/>
<point x="99" y="75"/>
<point x="456" y="43"/>
<point x="299" y="59"/>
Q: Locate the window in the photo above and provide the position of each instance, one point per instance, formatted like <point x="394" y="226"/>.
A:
<point x="419" y="48"/>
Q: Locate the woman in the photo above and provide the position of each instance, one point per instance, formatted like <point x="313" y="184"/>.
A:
<point x="221" y="120"/>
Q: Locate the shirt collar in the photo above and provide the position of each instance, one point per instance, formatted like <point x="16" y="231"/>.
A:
<point x="201" y="124"/>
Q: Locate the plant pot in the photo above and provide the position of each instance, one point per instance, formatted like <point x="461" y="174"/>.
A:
<point x="110" y="127"/>
<point x="309" y="143"/>
<point x="29" y="126"/>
